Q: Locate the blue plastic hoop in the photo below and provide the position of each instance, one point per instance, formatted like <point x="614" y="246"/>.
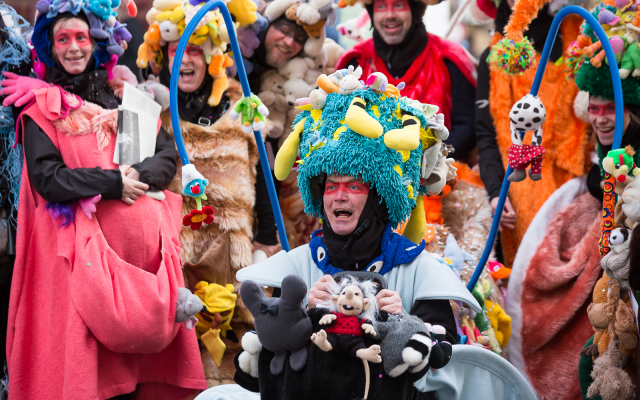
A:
<point x="619" y="103"/>
<point x="242" y="76"/>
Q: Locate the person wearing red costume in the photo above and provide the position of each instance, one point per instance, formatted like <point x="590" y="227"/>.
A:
<point x="435" y="71"/>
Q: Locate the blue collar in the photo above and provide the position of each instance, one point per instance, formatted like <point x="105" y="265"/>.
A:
<point x="396" y="250"/>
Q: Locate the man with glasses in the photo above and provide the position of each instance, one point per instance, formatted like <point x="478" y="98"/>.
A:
<point x="435" y="71"/>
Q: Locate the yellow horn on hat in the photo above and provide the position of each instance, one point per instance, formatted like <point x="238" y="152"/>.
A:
<point x="417" y="226"/>
<point x="288" y="152"/>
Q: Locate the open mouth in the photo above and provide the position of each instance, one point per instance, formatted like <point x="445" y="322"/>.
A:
<point x="606" y="129"/>
<point x="342" y="213"/>
<point x="187" y="74"/>
<point x="283" y="49"/>
<point x="347" y="307"/>
<point x="392" y="26"/>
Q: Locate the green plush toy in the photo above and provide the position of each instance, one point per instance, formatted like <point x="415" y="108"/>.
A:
<point x="251" y="112"/>
<point x="620" y="164"/>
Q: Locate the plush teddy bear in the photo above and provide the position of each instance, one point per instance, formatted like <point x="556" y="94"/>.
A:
<point x="297" y="67"/>
<point x="293" y="90"/>
<point x="319" y="61"/>
<point x="616" y="263"/>
<point x="272" y="96"/>
<point x="333" y="51"/>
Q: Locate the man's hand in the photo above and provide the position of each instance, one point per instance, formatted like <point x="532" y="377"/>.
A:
<point x="368" y="329"/>
<point x="269" y="250"/>
<point x="509" y="216"/>
<point x="133" y="173"/>
<point x="327" y="319"/>
<point x="320" y="291"/>
<point x="389" y="301"/>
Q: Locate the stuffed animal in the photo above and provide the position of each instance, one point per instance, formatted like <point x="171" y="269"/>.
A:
<point x="273" y="97"/>
<point x="214" y="321"/>
<point x="408" y="344"/>
<point x="333" y="51"/>
<point x="609" y="316"/>
<point x="286" y="157"/>
<point x="442" y="172"/>
<point x="194" y="185"/>
<point x="616" y="263"/>
<point x="353" y="308"/>
<point x="156" y="90"/>
<point x="355" y="28"/>
<point x="630" y="63"/>
<point x="527" y="114"/>
<point x="610" y="381"/>
<point x="252" y="113"/>
<point x="454" y="253"/>
<point x="309" y="11"/>
<point x="245" y="11"/>
<point x="150" y="49"/>
<point x="188" y="305"/>
<point x="294" y="89"/>
<point x="500" y="321"/>
<point x="282" y="324"/>
<point x="620" y="164"/>
<point x="248" y="359"/>
<point x="296" y="68"/>
<point x="318" y="68"/>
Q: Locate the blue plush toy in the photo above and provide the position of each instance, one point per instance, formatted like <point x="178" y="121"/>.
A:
<point x="101" y="8"/>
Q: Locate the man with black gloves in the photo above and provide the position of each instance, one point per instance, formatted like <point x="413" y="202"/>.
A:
<point x="435" y="71"/>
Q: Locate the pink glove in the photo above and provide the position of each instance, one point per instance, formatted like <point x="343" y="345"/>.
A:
<point x="88" y="205"/>
<point x="20" y="89"/>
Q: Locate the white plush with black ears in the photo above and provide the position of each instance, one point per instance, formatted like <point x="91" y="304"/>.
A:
<point x="616" y="263"/>
<point x="528" y="114"/>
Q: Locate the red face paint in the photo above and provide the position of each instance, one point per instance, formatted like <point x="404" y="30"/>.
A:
<point x="66" y="37"/>
<point x="192" y="51"/>
<point x="602" y="109"/>
<point x="389" y="5"/>
<point x="347" y="187"/>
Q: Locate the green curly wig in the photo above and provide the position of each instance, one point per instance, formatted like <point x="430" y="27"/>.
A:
<point x="598" y="82"/>
<point x="328" y="145"/>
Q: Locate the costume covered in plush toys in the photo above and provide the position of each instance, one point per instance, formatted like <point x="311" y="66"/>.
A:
<point x="107" y="275"/>
<point x="566" y="138"/>
<point x="335" y="140"/>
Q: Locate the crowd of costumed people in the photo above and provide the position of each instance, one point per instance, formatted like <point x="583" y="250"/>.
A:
<point x="250" y="209"/>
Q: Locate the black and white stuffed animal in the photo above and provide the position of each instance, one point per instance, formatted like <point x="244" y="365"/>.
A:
<point x="617" y="262"/>
<point x="528" y="114"/>
<point x="408" y="344"/>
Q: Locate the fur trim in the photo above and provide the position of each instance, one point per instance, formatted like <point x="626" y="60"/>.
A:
<point x="524" y="11"/>
<point x="565" y="139"/>
<point x="90" y="118"/>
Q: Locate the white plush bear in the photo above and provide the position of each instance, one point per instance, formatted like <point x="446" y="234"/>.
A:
<point x="333" y="51"/>
<point x="293" y="89"/>
<point x="296" y="68"/>
<point x="272" y="95"/>
<point x="169" y="31"/>
<point x="312" y="74"/>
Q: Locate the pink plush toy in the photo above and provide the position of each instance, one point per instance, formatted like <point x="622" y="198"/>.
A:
<point x="355" y="28"/>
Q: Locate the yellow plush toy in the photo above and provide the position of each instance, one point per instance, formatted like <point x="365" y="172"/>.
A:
<point x="220" y="302"/>
<point x="500" y="322"/>
<point x="244" y="11"/>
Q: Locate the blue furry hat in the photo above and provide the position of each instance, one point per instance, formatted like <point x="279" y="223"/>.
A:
<point x="100" y="15"/>
<point x="328" y="146"/>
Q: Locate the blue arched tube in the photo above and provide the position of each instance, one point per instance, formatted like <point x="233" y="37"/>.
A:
<point x="544" y="59"/>
<point x="242" y="76"/>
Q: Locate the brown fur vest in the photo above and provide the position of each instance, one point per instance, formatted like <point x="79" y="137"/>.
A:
<point x="227" y="157"/>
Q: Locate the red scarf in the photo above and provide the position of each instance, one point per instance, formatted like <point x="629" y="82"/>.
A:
<point x="427" y="80"/>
